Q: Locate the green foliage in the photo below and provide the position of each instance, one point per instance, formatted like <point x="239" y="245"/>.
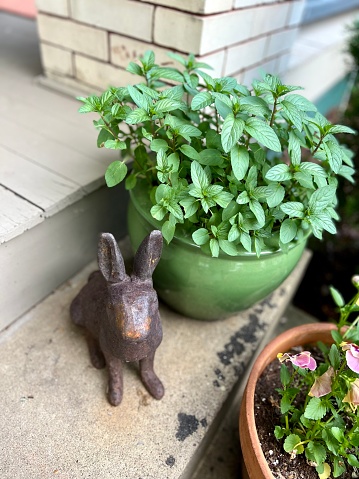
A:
<point x="323" y="424"/>
<point x="243" y="165"/>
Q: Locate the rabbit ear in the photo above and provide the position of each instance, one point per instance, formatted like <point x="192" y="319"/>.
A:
<point x="148" y="255"/>
<point x="110" y="259"/>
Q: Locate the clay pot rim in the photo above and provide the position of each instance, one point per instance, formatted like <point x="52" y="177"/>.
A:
<point x="296" y="336"/>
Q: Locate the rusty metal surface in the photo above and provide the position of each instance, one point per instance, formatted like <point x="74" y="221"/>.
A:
<point x="120" y="313"/>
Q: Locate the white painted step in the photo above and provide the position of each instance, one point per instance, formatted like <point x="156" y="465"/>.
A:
<point x="53" y="201"/>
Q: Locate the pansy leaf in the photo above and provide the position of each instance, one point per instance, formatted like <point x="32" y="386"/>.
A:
<point x="291" y="444"/>
<point x="315" y="409"/>
<point x="338" y="298"/>
<point x="317" y="451"/>
<point x="353" y="460"/>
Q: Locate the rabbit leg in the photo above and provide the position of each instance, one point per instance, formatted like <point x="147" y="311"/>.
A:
<point x="149" y="378"/>
<point x="96" y="356"/>
<point x="115" y="380"/>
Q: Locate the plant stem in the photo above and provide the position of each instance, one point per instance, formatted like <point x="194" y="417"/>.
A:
<point x="273" y="112"/>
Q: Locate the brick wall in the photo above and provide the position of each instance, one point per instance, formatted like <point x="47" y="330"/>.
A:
<point x="89" y="43"/>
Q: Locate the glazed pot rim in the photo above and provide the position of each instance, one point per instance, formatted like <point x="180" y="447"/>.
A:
<point x="185" y="240"/>
<point x="313" y="332"/>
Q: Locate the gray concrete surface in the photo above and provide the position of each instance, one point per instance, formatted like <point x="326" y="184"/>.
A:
<point x="57" y="423"/>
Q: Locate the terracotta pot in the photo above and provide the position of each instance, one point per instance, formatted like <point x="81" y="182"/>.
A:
<point x="255" y="464"/>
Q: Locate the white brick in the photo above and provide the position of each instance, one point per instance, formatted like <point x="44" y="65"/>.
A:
<point x="69" y="86"/>
<point x="269" y="18"/>
<point x="102" y="75"/>
<point x="56" y="59"/>
<point x="71" y="35"/>
<point x="226" y="29"/>
<point x="250" y="3"/>
<point x="282" y="64"/>
<point x="257" y="72"/>
<point x="244" y="55"/>
<point x="296" y="12"/>
<point x="281" y="41"/>
<point x="216" y="61"/>
<point x="121" y="16"/>
<point x="56" y="7"/>
<point x="178" y="30"/>
<point x="204" y="7"/>
<point x="124" y="50"/>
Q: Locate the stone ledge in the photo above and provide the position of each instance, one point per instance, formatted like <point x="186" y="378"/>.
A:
<point x="57" y="422"/>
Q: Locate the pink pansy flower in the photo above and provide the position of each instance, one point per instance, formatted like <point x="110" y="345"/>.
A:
<point x="352" y="355"/>
<point x="302" y="360"/>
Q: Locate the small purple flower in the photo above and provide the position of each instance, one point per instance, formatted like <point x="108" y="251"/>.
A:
<point x="302" y="360"/>
<point x="352" y="355"/>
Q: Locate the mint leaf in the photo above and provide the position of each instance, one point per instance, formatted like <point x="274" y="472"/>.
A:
<point x="211" y="157"/>
<point x="168" y="231"/>
<point x="228" y="247"/>
<point x="201" y="236"/>
<point x="239" y="161"/>
<point x="232" y="130"/>
<point x="137" y="116"/>
<point x="288" y="231"/>
<point x="263" y="133"/>
<point x="292" y="113"/>
<point x="214" y="247"/>
<point x="279" y="173"/>
<point x="199" y="177"/>
<point x="157" y="145"/>
<point x="274" y="194"/>
<point x="294" y="149"/>
<point x="201" y="100"/>
<point x="115" y="173"/>
<point x="190" y="152"/>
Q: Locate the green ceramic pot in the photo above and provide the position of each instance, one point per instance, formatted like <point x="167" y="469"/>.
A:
<point x="202" y="287"/>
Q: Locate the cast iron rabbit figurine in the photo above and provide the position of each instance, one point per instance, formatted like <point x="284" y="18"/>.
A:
<point x="120" y="313"/>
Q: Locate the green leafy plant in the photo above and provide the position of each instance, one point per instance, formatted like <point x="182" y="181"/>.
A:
<point x="237" y="168"/>
<point x="319" y="401"/>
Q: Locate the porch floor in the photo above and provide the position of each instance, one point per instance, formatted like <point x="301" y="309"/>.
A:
<point x="57" y="422"/>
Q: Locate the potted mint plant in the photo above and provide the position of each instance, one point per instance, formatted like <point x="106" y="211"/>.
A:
<point x="313" y="411"/>
<point x="236" y="178"/>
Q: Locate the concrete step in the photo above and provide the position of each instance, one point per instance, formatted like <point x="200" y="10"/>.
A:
<point x="58" y="423"/>
<point x="53" y="201"/>
<point x="222" y="458"/>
